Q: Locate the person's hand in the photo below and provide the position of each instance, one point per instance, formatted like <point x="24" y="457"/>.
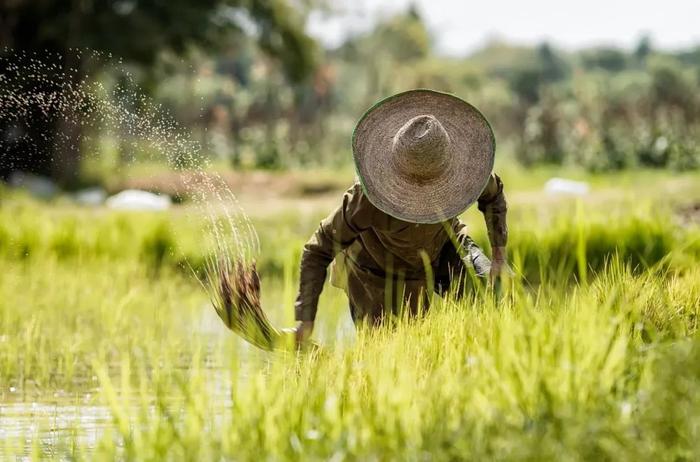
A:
<point x="498" y="264"/>
<point x="301" y="332"/>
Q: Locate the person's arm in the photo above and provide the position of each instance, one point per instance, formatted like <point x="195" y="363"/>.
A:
<point x="492" y="204"/>
<point x="466" y="248"/>
<point x="335" y="233"/>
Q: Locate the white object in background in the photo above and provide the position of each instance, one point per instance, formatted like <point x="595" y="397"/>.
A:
<point x="557" y="186"/>
<point x="135" y="199"/>
<point x="90" y="196"/>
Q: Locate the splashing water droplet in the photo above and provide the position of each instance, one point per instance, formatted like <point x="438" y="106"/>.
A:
<point x="40" y="88"/>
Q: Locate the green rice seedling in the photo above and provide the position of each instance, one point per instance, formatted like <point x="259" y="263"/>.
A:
<point x="158" y="245"/>
<point x="557" y="374"/>
<point x="553" y="369"/>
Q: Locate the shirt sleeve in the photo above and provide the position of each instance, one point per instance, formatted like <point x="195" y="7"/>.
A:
<point x="335" y="233"/>
<point x="492" y="204"/>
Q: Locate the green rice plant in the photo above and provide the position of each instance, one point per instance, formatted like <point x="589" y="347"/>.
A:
<point x="547" y="375"/>
<point x="158" y="245"/>
<point x="557" y="367"/>
<point x="669" y="422"/>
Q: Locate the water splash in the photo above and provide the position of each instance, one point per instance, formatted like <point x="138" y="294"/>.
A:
<point x="38" y="89"/>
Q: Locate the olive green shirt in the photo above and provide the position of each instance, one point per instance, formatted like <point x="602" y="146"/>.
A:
<point x="379" y="244"/>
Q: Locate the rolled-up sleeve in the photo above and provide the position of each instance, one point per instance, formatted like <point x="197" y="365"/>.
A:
<point x="492" y="203"/>
<point x="335" y="233"/>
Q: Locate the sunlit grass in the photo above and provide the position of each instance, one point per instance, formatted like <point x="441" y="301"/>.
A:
<point x="590" y="350"/>
<point x="534" y="375"/>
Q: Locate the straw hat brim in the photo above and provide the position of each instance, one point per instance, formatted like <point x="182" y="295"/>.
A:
<point x="470" y="157"/>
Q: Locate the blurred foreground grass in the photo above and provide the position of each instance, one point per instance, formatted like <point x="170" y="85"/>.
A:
<point x="591" y="352"/>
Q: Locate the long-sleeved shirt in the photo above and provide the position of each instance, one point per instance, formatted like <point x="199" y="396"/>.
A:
<point x="381" y="246"/>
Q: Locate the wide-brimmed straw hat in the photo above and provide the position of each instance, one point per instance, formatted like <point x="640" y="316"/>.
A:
<point x="423" y="156"/>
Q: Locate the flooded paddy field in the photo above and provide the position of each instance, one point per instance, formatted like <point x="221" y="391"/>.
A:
<point x="109" y="346"/>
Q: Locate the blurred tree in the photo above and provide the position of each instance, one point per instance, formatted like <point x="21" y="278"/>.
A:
<point x="690" y="57"/>
<point x="137" y="31"/>
<point x="394" y="45"/>
<point x="498" y="59"/>
<point x="670" y="88"/>
<point x="643" y="49"/>
<point x="546" y="67"/>
<point x="608" y="59"/>
<point x="537" y="125"/>
<point x="405" y="37"/>
<point x="525" y="83"/>
<point x="553" y="67"/>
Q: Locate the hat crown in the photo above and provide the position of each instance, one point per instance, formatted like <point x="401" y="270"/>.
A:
<point x="419" y="149"/>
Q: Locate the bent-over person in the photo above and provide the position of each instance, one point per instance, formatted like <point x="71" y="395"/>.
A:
<point x="422" y="158"/>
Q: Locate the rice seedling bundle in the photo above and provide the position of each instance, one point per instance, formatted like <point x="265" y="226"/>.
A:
<point x="234" y="290"/>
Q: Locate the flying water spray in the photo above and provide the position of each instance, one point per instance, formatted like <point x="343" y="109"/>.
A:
<point x="38" y="92"/>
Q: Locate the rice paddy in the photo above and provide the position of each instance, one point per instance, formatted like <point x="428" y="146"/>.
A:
<point x="110" y="347"/>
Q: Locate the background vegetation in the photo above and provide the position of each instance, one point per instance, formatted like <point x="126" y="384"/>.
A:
<point x="253" y="90"/>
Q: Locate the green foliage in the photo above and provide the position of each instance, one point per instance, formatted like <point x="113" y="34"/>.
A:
<point x="604" y="109"/>
<point x="558" y="366"/>
<point x="668" y="414"/>
<point x="140" y="31"/>
<point x="75" y="40"/>
<point x="640" y="240"/>
<point x="616" y="122"/>
<point x="403" y="37"/>
<point x="158" y="245"/>
<point x="607" y="59"/>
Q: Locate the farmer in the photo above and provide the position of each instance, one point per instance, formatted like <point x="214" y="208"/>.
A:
<point x="422" y="158"/>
